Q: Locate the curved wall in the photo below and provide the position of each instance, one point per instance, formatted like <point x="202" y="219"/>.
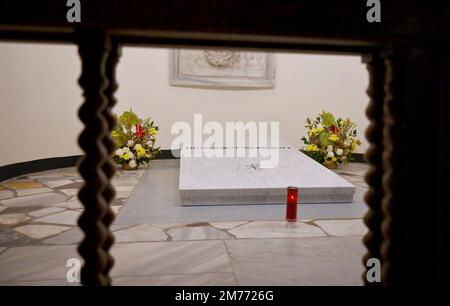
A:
<point x="40" y="96"/>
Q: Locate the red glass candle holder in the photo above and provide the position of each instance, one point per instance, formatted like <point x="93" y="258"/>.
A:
<point x="291" y="204"/>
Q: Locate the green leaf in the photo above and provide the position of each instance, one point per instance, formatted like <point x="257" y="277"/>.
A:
<point x="323" y="139"/>
<point x="327" y="118"/>
<point x="129" y="119"/>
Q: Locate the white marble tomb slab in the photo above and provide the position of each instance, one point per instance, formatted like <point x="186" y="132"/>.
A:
<point x="240" y="180"/>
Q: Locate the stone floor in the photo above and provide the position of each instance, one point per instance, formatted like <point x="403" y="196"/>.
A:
<point x="158" y="189"/>
<point x="38" y="235"/>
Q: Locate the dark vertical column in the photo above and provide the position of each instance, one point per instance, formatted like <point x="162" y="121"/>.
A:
<point x="109" y="167"/>
<point x="412" y="168"/>
<point x="442" y="262"/>
<point x="94" y="47"/>
<point x="392" y="162"/>
<point x="374" y="134"/>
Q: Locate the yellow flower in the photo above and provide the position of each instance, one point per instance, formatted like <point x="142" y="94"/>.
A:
<point x="355" y="145"/>
<point x="315" y="131"/>
<point x="318" y="130"/>
<point x="125" y="156"/>
<point x="153" y="131"/>
<point x="334" y="137"/>
<point x="141" y="152"/>
<point x="311" y="148"/>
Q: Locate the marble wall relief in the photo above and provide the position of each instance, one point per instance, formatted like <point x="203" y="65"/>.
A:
<point x="222" y="68"/>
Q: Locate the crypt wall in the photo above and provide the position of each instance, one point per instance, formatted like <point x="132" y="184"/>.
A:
<point x="40" y="97"/>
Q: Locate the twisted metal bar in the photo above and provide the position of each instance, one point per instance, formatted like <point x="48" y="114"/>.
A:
<point x="109" y="168"/>
<point x="94" y="46"/>
<point x="374" y="134"/>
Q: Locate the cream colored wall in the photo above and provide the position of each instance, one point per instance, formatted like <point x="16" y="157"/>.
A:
<point x="40" y="97"/>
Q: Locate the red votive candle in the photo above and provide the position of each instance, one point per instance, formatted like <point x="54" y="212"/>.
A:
<point x="291" y="204"/>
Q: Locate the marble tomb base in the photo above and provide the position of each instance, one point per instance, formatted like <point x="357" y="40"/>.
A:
<point x="241" y="180"/>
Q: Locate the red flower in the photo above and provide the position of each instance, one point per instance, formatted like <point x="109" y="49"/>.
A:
<point x="334" y="129"/>
<point x="140" y="132"/>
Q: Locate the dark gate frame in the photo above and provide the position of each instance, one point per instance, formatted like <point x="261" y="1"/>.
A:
<point x="407" y="57"/>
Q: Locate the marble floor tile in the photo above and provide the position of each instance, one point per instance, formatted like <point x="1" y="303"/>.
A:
<point x="65" y="217"/>
<point x="25" y="184"/>
<point x="124" y="191"/>
<point x="116" y="208"/>
<point x="125" y="182"/>
<point x="44" y="199"/>
<point x="52" y="174"/>
<point x="11" y="219"/>
<point x="168" y="225"/>
<point x="45" y="211"/>
<point x="116" y="227"/>
<point x="74" y="185"/>
<point x="140" y="233"/>
<point x="18" y="185"/>
<point x="72" y="236"/>
<point x="275" y="229"/>
<point x="349" y="227"/>
<point x="70" y="171"/>
<point x="293" y="262"/>
<point x="123" y="194"/>
<point x="38" y="231"/>
<point x="197" y="233"/>
<point x="227" y="225"/>
<point x="205" y="279"/>
<point x="31" y="263"/>
<point x="69" y="192"/>
<point x="71" y="204"/>
<point x="159" y="258"/>
<point x="10" y="238"/>
<point x="57" y="183"/>
<point x="37" y="283"/>
<point x="6" y="194"/>
<point x="31" y="191"/>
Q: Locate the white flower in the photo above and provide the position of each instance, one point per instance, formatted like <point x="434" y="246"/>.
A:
<point x="133" y="129"/>
<point x="130" y="143"/>
<point x="347" y="143"/>
<point x="119" y="152"/>
<point x="330" y="154"/>
<point x="138" y="146"/>
<point x="125" y="149"/>
<point x="131" y="155"/>
<point x="149" y="143"/>
<point x="132" y="163"/>
<point x="330" y="148"/>
<point x="339" y="152"/>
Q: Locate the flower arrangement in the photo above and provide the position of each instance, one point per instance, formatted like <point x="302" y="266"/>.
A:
<point x="135" y="140"/>
<point x="330" y="141"/>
